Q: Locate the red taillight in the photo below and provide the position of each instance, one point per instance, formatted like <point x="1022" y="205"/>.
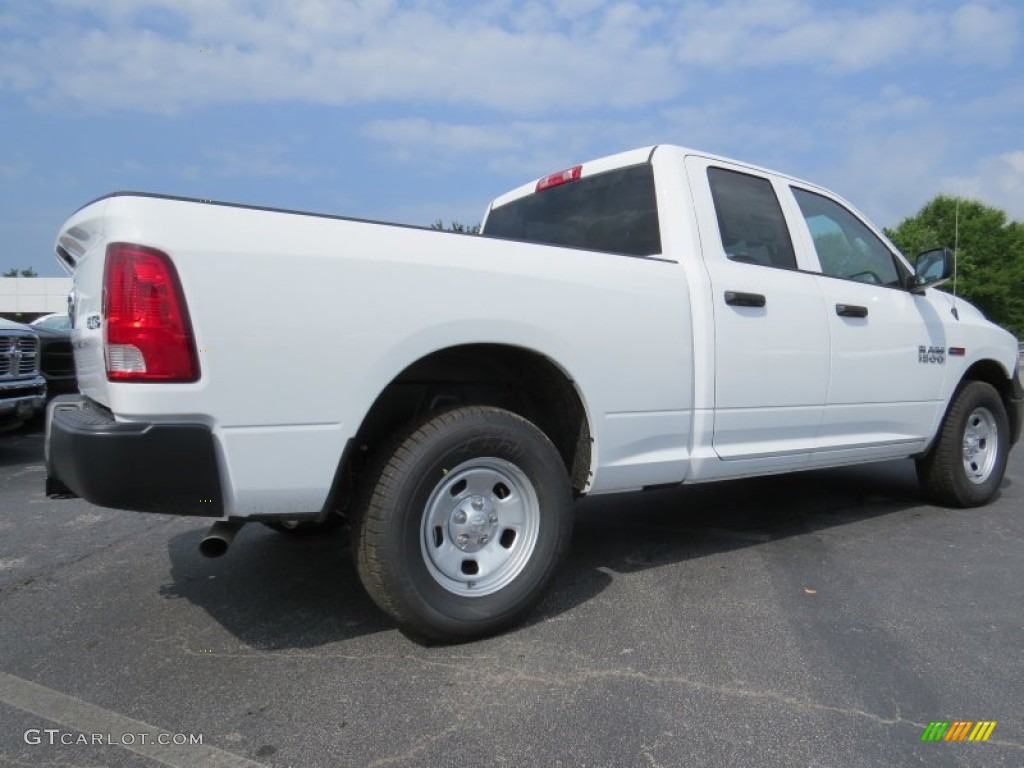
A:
<point x="569" y="174"/>
<point x="148" y="333"/>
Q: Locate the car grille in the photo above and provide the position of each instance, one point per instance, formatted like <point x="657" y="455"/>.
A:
<point x="19" y="356"/>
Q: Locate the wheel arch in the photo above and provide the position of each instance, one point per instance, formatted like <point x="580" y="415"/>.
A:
<point x="1008" y="387"/>
<point x="518" y="379"/>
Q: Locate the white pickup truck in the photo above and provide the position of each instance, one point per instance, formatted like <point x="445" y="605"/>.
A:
<point x="658" y="317"/>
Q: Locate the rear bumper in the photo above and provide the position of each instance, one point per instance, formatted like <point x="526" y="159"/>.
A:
<point x="148" y="467"/>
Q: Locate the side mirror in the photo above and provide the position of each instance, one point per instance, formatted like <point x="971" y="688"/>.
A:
<point x="932" y="268"/>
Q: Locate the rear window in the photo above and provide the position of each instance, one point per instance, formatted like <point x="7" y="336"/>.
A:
<point x="615" y="212"/>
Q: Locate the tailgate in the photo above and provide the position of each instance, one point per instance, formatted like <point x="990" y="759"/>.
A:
<point x="80" y="248"/>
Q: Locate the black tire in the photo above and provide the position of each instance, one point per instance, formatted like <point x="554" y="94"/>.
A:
<point x="965" y="467"/>
<point x="306" y="527"/>
<point x="408" y="535"/>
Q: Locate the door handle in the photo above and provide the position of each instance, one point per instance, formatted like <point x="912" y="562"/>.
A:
<point x="740" y="299"/>
<point x="851" y="310"/>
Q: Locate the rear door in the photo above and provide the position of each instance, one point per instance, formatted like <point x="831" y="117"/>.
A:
<point x="771" y="335"/>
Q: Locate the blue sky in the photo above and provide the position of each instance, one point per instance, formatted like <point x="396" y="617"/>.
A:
<point x="410" y="110"/>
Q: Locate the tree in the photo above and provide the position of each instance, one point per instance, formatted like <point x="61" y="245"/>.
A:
<point x="990" y="253"/>
<point x="456" y="227"/>
<point x="14" y="272"/>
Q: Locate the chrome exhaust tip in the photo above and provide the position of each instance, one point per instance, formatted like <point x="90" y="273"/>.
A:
<point x="218" y="539"/>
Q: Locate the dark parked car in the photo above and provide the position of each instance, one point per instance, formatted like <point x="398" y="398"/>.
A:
<point x="56" y="362"/>
<point x="22" y="389"/>
<point x="60" y="322"/>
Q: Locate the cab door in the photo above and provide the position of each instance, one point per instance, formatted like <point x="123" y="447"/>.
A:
<point x="771" y="345"/>
<point x="888" y="346"/>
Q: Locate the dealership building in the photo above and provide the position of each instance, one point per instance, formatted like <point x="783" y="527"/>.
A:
<point x="25" y="298"/>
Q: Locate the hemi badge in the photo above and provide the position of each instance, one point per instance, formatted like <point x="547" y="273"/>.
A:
<point x="958" y="351"/>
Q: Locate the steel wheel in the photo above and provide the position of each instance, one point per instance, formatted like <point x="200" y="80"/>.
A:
<point x="461" y="523"/>
<point x="480" y="526"/>
<point x="981" y="445"/>
<point x="967" y="461"/>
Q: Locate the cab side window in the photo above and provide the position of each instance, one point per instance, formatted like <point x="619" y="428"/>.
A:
<point x="846" y="247"/>
<point x="750" y="219"/>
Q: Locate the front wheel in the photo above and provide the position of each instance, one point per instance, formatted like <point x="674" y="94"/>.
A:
<point x="464" y="522"/>
<point x="966" y="465"/>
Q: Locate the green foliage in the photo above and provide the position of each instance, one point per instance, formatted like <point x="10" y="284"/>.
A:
<point x="15" y="272"/>
<point x="456" y="226"/>
<point x="990" y="253"/>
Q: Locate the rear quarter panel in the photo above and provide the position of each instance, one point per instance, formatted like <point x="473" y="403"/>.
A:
<point x="302" y="320"/>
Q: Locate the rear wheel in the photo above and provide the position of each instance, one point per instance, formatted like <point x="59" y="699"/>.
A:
<point x="966" y="465"/>
<point x="463" y="524"/>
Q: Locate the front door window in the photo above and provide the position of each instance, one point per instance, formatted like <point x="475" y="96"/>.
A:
<point x="846" y="248"/>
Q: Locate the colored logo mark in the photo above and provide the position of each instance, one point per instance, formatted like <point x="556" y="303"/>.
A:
<point x="958" y="730"/>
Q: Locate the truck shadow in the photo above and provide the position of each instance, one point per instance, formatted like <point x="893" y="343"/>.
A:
<point x="275" y="591"/>
<point x="676" y="524"/>
<point x="627" y="533"/>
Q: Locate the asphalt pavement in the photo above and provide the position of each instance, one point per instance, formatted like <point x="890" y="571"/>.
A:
<point x="819" y="619"/>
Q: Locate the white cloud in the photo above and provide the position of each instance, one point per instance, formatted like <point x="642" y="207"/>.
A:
<point x="887" y="177"/>
<point x="509" y="57"/>
<point x="529" y="86"/>
<point x="997" y="180"/>
<point x="738" y="128"/>
<point x="517" y="150"/>
<point x="415" y="137"/>
<point x="890" y="105"/>
<point x="983" y="34"/>
<point x="754" y="33"/>
<point x="744" y="34"/>
<point x="251" y="161"/>
<point x="340" y="53"/>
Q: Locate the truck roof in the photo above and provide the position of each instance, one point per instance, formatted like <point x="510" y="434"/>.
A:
<point x="645" y="155"/>
<point x="635" y="157"/>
